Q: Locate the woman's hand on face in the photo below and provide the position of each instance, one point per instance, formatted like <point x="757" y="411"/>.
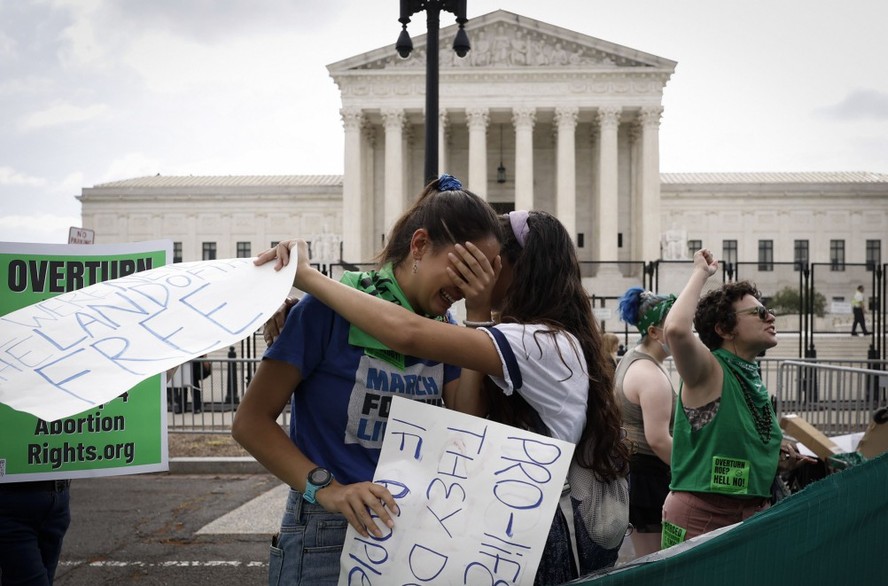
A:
<point x="474" y="275"/>
<point x="361" y="503"/>
<point x="706" y="261"/>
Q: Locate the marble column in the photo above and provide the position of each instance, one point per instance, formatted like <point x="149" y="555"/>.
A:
<point x="443" y="127"/>
<point x="524" y="119"/>
<point x="633" y="241"/>
<point x="371" y="240"/>
<point x="566" y="169"/>
<point x="608" y="122"/>
<point x="352" y="197"/>
<point x="393" y="119"/>
<point x="650" y="224"/>
<point x="477" y="119"/>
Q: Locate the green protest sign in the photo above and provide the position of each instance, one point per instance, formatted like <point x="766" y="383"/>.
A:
<point x="124" y="436"/>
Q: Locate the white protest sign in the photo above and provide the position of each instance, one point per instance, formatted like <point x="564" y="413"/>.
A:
<point x="66" y="354"/>
<point x="476" y="499"/>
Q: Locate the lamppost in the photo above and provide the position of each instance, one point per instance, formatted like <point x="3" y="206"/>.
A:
<point x="404" y="46"/>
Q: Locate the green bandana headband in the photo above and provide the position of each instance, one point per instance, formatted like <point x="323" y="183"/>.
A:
<point x="380" y="284"/>
<point x="655" y="314"/>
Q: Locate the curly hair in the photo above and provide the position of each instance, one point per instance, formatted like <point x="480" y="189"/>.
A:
<point x="716" y="310"/>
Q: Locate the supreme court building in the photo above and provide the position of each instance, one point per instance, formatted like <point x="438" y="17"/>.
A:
<point x="573" y="121"/>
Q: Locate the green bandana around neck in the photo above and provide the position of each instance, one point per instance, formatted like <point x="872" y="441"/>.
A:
<point x="655" y="314"/>
<point x="382" y="284"/>
<point x="754" y="392"/>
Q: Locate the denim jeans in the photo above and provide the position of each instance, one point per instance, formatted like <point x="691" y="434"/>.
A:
<point x="34" y="517"/>
<point x="307" y="550"/>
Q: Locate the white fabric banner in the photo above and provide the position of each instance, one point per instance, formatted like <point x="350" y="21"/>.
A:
<point x="476" y="500"/>
<point x="66" y="354"/>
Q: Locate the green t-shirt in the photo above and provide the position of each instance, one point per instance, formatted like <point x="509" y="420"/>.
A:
<point x="736" y="452"/>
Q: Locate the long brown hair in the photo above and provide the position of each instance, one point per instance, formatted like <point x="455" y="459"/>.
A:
<point x="547" y="289"/>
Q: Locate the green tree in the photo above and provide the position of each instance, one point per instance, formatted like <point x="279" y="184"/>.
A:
<point x="788" y="300"/>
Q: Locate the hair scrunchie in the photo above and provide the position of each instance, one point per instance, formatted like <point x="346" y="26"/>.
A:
<point x="518" y="220"/>
<point x="449" y="183"/>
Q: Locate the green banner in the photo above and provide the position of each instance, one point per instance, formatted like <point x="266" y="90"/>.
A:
<point x="832" y="532"/>
<point x="124" y="436"/>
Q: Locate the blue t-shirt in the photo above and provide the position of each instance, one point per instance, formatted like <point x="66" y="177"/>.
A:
<point x="339" y="411"/>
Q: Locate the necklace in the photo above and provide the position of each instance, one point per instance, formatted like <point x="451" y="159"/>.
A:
<point x="747" y="375"/>
<point x="761" y="416"/>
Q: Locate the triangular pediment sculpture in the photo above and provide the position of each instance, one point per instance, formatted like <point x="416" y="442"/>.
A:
<point x="504" y="40"/>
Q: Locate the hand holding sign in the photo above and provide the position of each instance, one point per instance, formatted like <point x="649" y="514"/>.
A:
<point x="476" y="501"/>
<point x="83" y="348"/>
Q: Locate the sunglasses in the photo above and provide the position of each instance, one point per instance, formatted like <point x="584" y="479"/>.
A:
<point x="760" y="310"/>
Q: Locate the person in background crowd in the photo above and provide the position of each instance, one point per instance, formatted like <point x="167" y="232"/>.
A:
<point x="647" y="401"/>
<point x="321" y="364"/>
<point x="181" y="379"/>
<point x="545" y="360"/>
<point x="857" y="308"/>
<point x="200" y="370"/>
<point x="34" y="517"/>
<point x="611" y="346"/>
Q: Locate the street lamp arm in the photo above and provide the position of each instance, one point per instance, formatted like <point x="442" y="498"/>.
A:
<point x="404" y="46"/>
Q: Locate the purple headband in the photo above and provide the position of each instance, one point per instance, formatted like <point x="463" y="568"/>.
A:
<point x="518" y="220"/>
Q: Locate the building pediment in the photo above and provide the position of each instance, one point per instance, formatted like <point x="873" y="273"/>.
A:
<point x="504" y="40"/>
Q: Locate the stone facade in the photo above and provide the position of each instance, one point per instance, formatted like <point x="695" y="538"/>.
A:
<point x="575" y="121"/>
<point x="219" y="211"/>
<point x="782" y="207"/>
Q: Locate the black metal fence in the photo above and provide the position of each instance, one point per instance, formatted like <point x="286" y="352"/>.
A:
<point x="814" y="303"/>
<point x="838" y="396"/>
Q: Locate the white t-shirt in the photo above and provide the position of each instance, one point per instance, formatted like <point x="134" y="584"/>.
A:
<point x="549" y="372"/>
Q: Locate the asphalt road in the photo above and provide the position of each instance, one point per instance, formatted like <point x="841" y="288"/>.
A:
<point x="180" y="529"/>
<point x="170" y="529"/>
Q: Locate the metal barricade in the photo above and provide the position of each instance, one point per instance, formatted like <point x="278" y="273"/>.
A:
<point x="835" y="399"/>
<point x="211" y="409"/>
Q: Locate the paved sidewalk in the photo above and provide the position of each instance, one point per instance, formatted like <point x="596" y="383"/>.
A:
<point x="216" y="465"/>
<point x="262" y="514"/>
<point x="171" y="529"/>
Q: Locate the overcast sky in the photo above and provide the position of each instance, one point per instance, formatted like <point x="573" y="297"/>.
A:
<point x="99" y="90"/>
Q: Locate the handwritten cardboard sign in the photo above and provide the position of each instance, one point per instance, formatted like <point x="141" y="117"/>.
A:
<point x="83" y="348"/>
<point x="476" y="501"/>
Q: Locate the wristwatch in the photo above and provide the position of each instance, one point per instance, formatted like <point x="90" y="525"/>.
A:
<point x="317" y="479"/>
